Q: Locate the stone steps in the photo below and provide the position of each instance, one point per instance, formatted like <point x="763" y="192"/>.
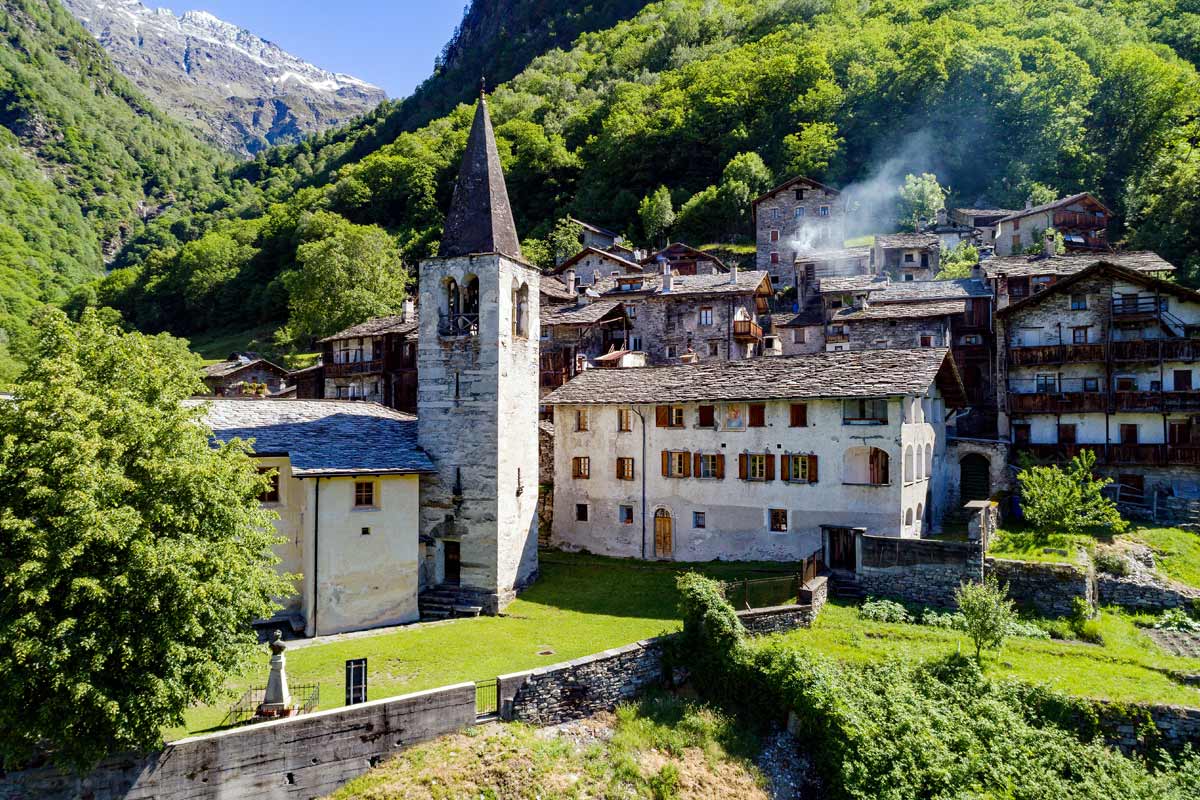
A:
<point x="444" y="602"/>
<point x="846" y="588"/>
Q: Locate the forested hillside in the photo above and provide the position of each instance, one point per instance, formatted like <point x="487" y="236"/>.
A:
<point x="716" y="98"/>
<point x="84" y="160"/>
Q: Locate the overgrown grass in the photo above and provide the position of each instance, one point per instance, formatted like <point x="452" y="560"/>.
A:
<point x="741" y="248"/>
<point x="861" y="241"/>
<point x="1021" y="544"/>
<point x="1176" y="551"/>
<point x="663" y="747"/>
<point x="1128" y="667"/>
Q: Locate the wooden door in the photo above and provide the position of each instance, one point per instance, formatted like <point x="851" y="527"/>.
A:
<point x="841" y="549"/>
<point x="451" y="563"/>
<point x="1129" y="433"/>
<point x="663" y="544"/>
<point x="1183" y="380"/>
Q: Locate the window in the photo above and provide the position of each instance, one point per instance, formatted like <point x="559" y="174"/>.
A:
<point x="866" y="411"/>
<point x="1079" y="302"/>
<point x="1016" y="242"/>
<point x="581" y="419"/>
<point x="800" y="469"/>
<point x="774" y="236"/>
<point x="1079" y="335"/>
<point x="798" y="415"/>
<point x="271" y="493"/>
<point x="706" y="416"/>
<point x="364" y="531"/>
<point x="1091" y="384"/>
<point x="797" y="335"/>
<point x="635" y="342"/>
<point x="581" y="467"/>
<point x="1066" y="433"/>
<point x="1021" y="433"/>
<point x="757" y="466"/>
<point x="1041" y="282"/>
<point x="706" y="315"/>
<point x="926" y="340"/>
<point x="631" y="312"/>
<point x="624" y="420"/>
<point x="1016" y="225"/>
<point x="909" y="258"/>
<point x="924" y="259"/>
<point x="625" y="514"/>
<point x="774" y="258"/>
<point x="799" y="214"/>
<point x="778" y="519"/>
<point x="624" y="468"/>
<point x="581" y="512"/>
<point x="698" y="520"/>
<point x="714" y="349"/>
<point x="1126" y="383"/>
<point x="671" y="351"/>
<point x="824" y="211"/>
<point x="758" y="415"/>
<point x="972" y="339"/>
<point x="668" y="416"/>
<point x="677" y="464"/>
<point x="908" y="276"/>
<point x="774" y="214"/>
<point x="1046" y="383"/>
<point x="1129" y="433"/>
<point x="1018" y="287"/>
<point x="1183" y="380"/>
<point x="364" y="494"/>
<point x="710" y="465"/>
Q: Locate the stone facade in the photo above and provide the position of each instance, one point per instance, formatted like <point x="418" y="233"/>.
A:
<point x="1143" y="729"/>
<point x="1081" y="219"/>
<point x="1048" y="589"/>
<point x="780" y="619"/>
<point x="794" y="218"/>
<point x="473" y="375"/>
<point x="890" y="334"/>
<point x="918" y="571"/>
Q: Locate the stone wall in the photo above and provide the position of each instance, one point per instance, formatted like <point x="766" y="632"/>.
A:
<point x="1144" y="728"/>
<point x="919" y="571"/>
<point x="889" y="334"/>
<point x="1139" y="593"/>
<point x="1049" y="589"/>
<point x="301" y="757"/>
<point x="779" y="619"/>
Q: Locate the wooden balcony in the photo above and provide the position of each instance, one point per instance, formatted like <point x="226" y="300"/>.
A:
<point x="1055" y="402"/>
<point x="745" y="330"/>
<point x="835" y="338"/>
<point x="1140" y="307"/>
<point x="375" y="365"/>
<point x="1154" y="349"/>
<point x="1157" y="402"/>
<point x="1145" y="455"/>
<point x="1055" y="354"/>
<point x="1077" y="221"/>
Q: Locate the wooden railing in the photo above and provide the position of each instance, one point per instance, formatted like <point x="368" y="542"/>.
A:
<point x="1075" y="220"/>
<point x="746" y="329"/>
<point x="1154" y="349"/>
<point x="1118" y="454"/>
<point x="336" y="370"/>
<point x="1055" y="354"/>
<point x="1056" y="402"/>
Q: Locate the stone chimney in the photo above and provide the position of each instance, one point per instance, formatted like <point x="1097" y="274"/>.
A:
<point x="860" y="301"/>
<point x="942" y="217"/>
<point x="977" y="270"/>
<point x="733" y="273"/>
<point x="569" y="279"/>
<point x="667" y="278"/>
<point x="410" y="308"/>
<point x="689" y="357"/>
<point x="1049" y="244"/>
<point x="1028" y="203"/>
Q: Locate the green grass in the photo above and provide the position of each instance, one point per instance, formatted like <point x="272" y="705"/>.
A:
<point x="1128" y="667"/>
<point x="579" y="605"/>
<point x="743" y="249"/>
<point x="861" y="241"/>
<point x="1026" y="545"/>
<point x="1176" y="551"/>
<point x="217" y="345"/>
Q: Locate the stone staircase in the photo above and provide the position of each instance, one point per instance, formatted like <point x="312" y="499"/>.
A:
<point x="1182" y="512"/>
<point x="438" y="602"/>
<point x="845" y="587"/>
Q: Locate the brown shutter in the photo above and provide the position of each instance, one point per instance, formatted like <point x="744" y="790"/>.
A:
<point x="662" y="416"/>
<point x="758" y="415"/>
<point x="687" y="466"/>
<point x="721" y="465"/>
<point x="812" y="469"/>
<point x="707" y="416"/>
<point x="666" y="459"/>
<point x="770" y="459"/>
<point x="799" y="415"/>
<point x="696" y="464"/>
<point x="742" y="472"/>
<point x="620" y="475"/>
<point x="785" y="466"/>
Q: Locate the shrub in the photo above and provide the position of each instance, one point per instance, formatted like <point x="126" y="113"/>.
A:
<point x="943" y="619"/>
<point x="1027" y="629"/>
<point x="884" y="611"/>
<point x="1112" y="563"/>
<point x="1056" y="500"/>
<point x="987" y="613"/>
<point x="1176" y="619"/>
<point x="1082" y="624"/>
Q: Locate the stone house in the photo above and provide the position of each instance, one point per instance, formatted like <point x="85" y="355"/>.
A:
<point x="798" y="216"/>
<point x="593" y="236"/>
<point x="575" y="334"/>
<point x="345" y="484"/>
<point x="684" y="260"/>
<point x="983" y="220"/>
<point x="951" y="233"/>
<point x="1105" y="359"/>
<point x="590" y="265"/>
<point x="232" y="375"/>
<point x="907" y="256"/>
<point x="815" y="266"/>
<point x="769" y="458"/>
<point x="1014" y="278"/>
<point x="1080" y="218"/>
<point x="672" y="316"/>
<point x="374" y="361"/>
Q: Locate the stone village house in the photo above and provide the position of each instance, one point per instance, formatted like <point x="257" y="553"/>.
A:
<point x="796" y="217"/>
<point x="241" y="369"/>
<point x="1080" y="218"/>
<point x="769" y="458"/>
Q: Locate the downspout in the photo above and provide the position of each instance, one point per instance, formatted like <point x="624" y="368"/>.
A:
<point x="316" y="549"/>
<point x="642" y="419"/>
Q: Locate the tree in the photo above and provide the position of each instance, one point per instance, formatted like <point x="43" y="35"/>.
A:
<point x="810" y="150"/>
<point x="987" y="613"/>
<point x="657" y="215"/>
<point x="348" y="274"/>
<point x="563" y="239"/>
<point x="1035" y="249"/>
<point x="1039" y="194"/>
<point x="958" y="262"/>
<point x="1055" y="500"/>
<point x="133" y="555"/>
<point x="920" y="198"/>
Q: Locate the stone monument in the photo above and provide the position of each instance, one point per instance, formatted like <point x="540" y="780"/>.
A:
<point x="277" y="701"/>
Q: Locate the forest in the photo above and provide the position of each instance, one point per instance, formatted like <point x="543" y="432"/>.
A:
<point x="714" y="100"/>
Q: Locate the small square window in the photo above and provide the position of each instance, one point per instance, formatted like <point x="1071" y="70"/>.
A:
<point x="581" y="512"/>
<point x="1091" y="384"/>
<point x="706" y="416"/>
<point x="364" y="494"/>
<point x="698" y="520"/>
<point x="798" y="415"/>
<point x="926" y="340"/>
<point x="1079" y="335"/>
<point x="714" y="349"/>
<point x="709" y="467"/>
<point x="625" y="515"/>
<point x="271" y="493"/>
<point x="799" y="212"/>
<point x="824" y="211"/>
<point x="671" y="351"/>
<point x="797" y="335"/>
<point x="758" y="415"/>
<point x="581" y="467"/>
<point x="676" y="416"/>
<point x="774" y="258"/>
<point x="365" y="532"/>
<point x="625" y="468"/>
<point x="1126" y="384"/>
<point x="774" y="236"/>
<point x="1079" y="302"/>
<point x="779" y="522"/>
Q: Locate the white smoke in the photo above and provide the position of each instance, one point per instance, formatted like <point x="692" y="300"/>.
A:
<point x="872" y="203"/>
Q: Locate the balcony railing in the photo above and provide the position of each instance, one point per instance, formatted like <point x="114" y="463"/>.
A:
<point x="339" y="370"/>
<point x="1117" y="454"/>
<point x="458" y="325"/>
<point x="1137" y="306"/>
<point x="1056" y="402"/>
<point x="1075" y="220"/>
<point x="1055" y="354"/>
<point x="744" y="329"/>
<point x="1154" y="349"/>
<point x="1159" y="402"/>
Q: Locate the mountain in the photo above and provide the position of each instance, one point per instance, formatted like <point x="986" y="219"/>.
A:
<point x="244" y="92"/>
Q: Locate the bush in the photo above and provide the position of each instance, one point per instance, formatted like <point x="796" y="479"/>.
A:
<point x="1055" y="500"/>
<point x="1176" y="619"/>
<point x="1082" y="623"/>
<point x="884" y="611"/>
<point x="943" y="619"/>
<point x="1112" y="563"/>
<point x="987" y="613"/>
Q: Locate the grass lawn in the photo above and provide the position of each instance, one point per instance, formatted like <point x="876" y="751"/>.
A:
<point x="861" y="241"/>
<point x="1176" y="551"/>
<point x="744" y="248"/>
<point x="214" y="347"/>
<point x="1025" y="545"/>
<point x="579" y="605"/>
<point x="1128" y="667"/>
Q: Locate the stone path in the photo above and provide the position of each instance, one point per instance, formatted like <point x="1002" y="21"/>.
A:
<point x="1177" y="643"/>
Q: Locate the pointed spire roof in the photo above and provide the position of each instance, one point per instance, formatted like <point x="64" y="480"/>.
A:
<point x="480" y="219"/>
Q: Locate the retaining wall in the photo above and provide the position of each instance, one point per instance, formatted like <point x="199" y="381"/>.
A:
<point x="301" y="757"/>
<point x="778" y="619"/>
<point x="1049" y="589"/>
<point x="1143" y="728"/>
<point x="919" y="571"/>
<point x="1141" y="594"/>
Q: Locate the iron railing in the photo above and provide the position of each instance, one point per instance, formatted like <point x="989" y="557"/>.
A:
<point x="306" y="698"/>
<point x="487" y="699"/>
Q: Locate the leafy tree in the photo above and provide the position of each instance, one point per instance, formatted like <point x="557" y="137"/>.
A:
<point x="811" y="150"/>
<point x="348" y="273"/>
<point x="1039" y="194"/>
<point x="921" y="197"/>
<point x="133" y="555"/>
<point x="563" y="239"/>
<point x="657" y="215"/>
<point x="957" y="263"/>
<point x="1035" y="249"/>
<point x="1057" y="500"/>
<point x="987" y="613"/>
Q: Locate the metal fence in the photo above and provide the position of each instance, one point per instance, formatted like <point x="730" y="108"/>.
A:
<point x="306" y="697"/>
<point x="487" y="699"/>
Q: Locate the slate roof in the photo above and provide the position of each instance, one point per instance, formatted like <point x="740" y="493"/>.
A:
<point x="1114" y="270"/>
<point x="852" y="373"/>
<point x="579" y="315"/>
<point x="985" y="212"/>
<point x="834" y="255"/>
<point x="1064" y="201"/>
<point x="852" y="283"/>
<point x="396" y="323"/>
<point x="908" y="240"/>
<point x="480" y="219"/>
<point x="913" y="310"/>
<point x="322" y="437"/>
<point x="680" y="248"/>
<point x="611" y="256"/>
<point x="595" y="228"/>
<point x="226" y="368"/>
<point x="789" y="184"/>
<point x="552" y="289"/>
<point x="1070" y="263"/>
<point x="748" y="281"/>
<point x="914" y="291"/>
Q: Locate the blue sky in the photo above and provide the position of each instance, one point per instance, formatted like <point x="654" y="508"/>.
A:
<point x="390" y="44"/>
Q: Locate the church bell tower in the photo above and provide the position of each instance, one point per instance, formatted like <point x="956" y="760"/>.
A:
<point x="478" y="390"/>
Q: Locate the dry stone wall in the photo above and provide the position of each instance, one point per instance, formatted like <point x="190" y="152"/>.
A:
<point x="1049" y="589"/>
<point x="1140" y="593"/>
<point x="1145" y="728"/>
<point x="918" y="571"/>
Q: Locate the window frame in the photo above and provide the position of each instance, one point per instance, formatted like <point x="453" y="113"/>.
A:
<point x="777" y="520"/>
<point x="700" y="517"/>
<point x="678" y="462"/>
<point x="756" y="415"/>
<point x="626" y="468"/>
<point x="625" y="514"/>
<point x="798" y="468"/>
<point x="581" y="467"/>
<point x="624" y="420"/>
<point x="709" y="466"/>
<point x="759" y="473"/>
<point x="1082" y="305"/>
<point x="876" y="404"/>
<point x="581" y="420"/>
<point x="582" y="513"/>
<point x="371" y="494"/>
<point x="706" y="316"/>
<point x="272" y="495"/>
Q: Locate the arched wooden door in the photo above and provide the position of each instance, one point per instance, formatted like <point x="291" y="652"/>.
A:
<point x="974" y="477"/>
<point x="663" y="544"/>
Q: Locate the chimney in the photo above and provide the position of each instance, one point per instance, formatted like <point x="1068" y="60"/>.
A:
<point x="941" y="217"/>
<point x="667" y="277"/>
<point x="410" y="308"/>
<point x="733" y="274"/>
<point x="1049" y="244"/>
<point x="569" y="278"/>
<point x="1028" y="203"/>
<point x="977" y="270"/>
<point x="860" y="301"/>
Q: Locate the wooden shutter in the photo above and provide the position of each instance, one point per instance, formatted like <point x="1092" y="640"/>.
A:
<point x="687" y="466"/>
<point x="662" y="416"/>
<point x="666" y="463"/>
<point x="812" y="469"/>
<point x="707" y="416"/>
<point x="620" y="472"/>
<point x="721" y="465"/>
<point x="696" y="464"/>
<point x="770" y="459"/>
<point x="799" y="415"/>
<point x="758" y="415"/>
<point x="785" y="466"/>
<point x="742" y="468"/>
